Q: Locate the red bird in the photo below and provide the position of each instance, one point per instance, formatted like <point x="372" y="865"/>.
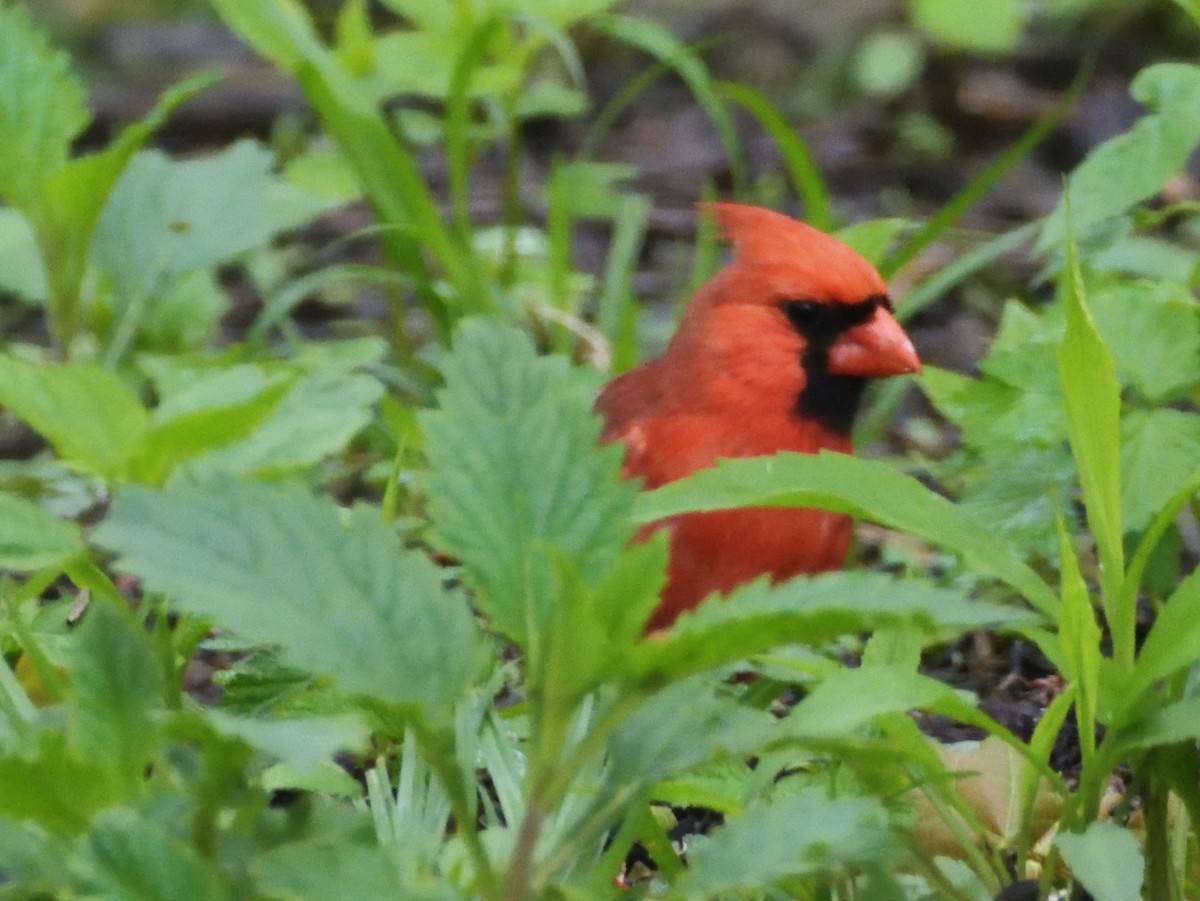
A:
<point x="772" y="354"/>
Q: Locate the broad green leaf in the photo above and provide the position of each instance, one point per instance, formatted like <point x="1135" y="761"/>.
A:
<point x="301" y="743"/>
<point x="1020" y="491"/>
<point x="32" y="538"/>
<point x="1105" y="860"/>
<point x="680" y="727"/>
<point x="992" y="27"/>
<point x="281" y="568"/>
<point x="516" y="471"/>
<point x="758" y="617"/>
<point x="317" y="417"/>
<point x="866" y="489"/>
<point x="42" y="107"/>
<point x="166" y="217"/>
<point x="185" y="435"/>
<point x="29" y="853"/>
<point x="53" y="785"/>
<point x="803" y="834"/>
<point x="130" y="856"/>
<point x="1133" y="166"/>
<point x="117" y="687"/>
<point x="1152" y="329"/>
<point x="327" y="868"/>
<point x="182" y="317"/>
<point x="1093" y="398"/>
<point x="86" y="413"/>
<point x="1160" y="451"/>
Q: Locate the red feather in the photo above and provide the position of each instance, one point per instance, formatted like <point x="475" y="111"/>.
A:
<point x="795" y="310"/>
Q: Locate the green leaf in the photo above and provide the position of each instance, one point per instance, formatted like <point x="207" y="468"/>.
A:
<point x="21" y="271"/>
<point x="516" y="471"/>
<point x="867" y="489"/>
<point x="29" y="854"/>
<point x="1174" y="723"/>
<point x="42" y="108"/>
<point x="53" y="785"/>
<point x="1172" y="645"/>
<point x="680" y="727"/>
<point x="1160" y="450"/>
<point x="1093" y="399"/>
<point x="326" y="868"/>
<point x="1079" y="635"/>
<point x="182" y="436"/>
<point x="992" y="27"/>
<point x="1105" y="860"/>
<point x="128" y="856"/>
<point x="281" y="568"/>
<point x="800" y="835"/>
<point x="317" y="417"/>
<point x="72" y="198"/>
<point x="814" y="611"/>
<point x="166" y="217"/>
<point x="116" y="689"/>
<point x="300" y="743"/>
<point x="1152" y="329"/>
<point x="31" y="538"/>
<point x="852" y="698"/>
<point x="85" y="412"/>
<point x="1133" y="166"/>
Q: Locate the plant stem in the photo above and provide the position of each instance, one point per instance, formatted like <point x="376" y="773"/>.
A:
<point x="1155" y="799"/>
<point x="516" y="882"/>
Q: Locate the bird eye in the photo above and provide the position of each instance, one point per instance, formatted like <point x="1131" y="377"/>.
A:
<point x="802" y="313"/>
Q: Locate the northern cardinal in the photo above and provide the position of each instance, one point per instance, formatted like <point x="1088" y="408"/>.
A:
<point x="772" y="354"/>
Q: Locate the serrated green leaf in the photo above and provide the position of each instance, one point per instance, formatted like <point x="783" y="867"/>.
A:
<point x="1133" y="166"/>
<point x="516" y="471"/>
<point x="281" y="568"/>
<point x="1105" y="860"/>
<point x="1160" y="450"/>
<point x="42" y="107"/>
<point x="85" y="412"/>
<point x="116" y="689"/>
<point x="800" y="835"/>
<point x="1152" y="329"/>
<point x="758" y="617"/>
<point x="866" y="489"/>
<point x="32" y="538"/>
<point x="129" y="856"/>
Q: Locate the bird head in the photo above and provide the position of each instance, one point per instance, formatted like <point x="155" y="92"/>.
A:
<point x="831" y="296"/>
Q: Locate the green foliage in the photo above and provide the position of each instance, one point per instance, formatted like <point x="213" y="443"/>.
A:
<point x="244" y="678"/>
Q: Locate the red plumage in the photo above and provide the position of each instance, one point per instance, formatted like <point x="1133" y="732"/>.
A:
<point x="771" y="355"/>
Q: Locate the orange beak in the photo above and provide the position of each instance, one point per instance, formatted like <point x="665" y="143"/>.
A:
<point x="877" y="348"/>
